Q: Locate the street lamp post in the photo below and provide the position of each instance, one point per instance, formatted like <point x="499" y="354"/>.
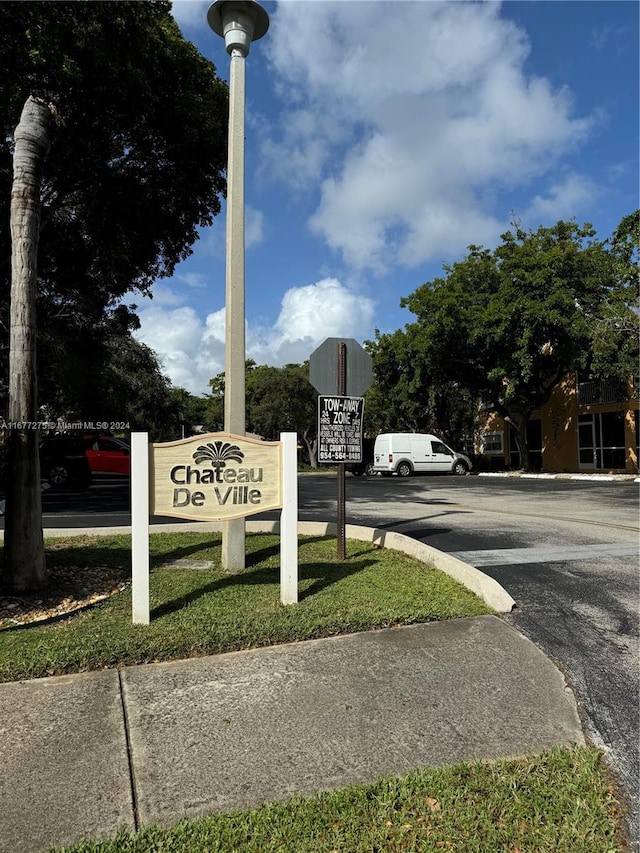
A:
<point x="239" y="22"/>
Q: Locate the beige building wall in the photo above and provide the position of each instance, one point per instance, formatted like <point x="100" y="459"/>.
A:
<point x="560" y="427"/>
<point x="560" y="420"/>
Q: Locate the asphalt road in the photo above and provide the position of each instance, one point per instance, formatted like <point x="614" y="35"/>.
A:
<point x="566" y="550"/>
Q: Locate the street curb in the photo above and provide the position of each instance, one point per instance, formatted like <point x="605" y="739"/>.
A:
<point x="485" y="587"/>
<point x="601" y="478"/>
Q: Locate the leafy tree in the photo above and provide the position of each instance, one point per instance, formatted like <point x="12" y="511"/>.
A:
<point x="138" y="164"/>
<point x="135" y="167"/>
<point x="616" y="328"/>
<point x="393" y="403"/>
<point x="190" y="411"/>
<point x="214" y="412"/>
<point x="408" y="396"/>
<point x="511" y="322"/>
<point x="278" y="399"/>
<point x="281" y="399"/>
<point x="136" y="391"/>
<point x="625" y="250"/>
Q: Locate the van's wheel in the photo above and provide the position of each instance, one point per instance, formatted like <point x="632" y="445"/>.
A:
<point x="460" y="468"/>
<point x="369" y="469"/>
<point x="404" y="469"/>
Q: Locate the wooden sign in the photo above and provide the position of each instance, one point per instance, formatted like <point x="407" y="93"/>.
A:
<point x="214" y="477"/>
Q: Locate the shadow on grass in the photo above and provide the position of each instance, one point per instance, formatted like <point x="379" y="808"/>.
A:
<point x="90" y="556"/>
<point x="323" y="575"/>
<point x="253" y="557"/>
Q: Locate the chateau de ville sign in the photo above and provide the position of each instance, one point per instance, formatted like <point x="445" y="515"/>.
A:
<point x="215" y="477"/>
<point x="212" y="477"/>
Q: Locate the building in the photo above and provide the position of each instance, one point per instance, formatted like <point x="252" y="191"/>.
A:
<point x="585" y="426"/>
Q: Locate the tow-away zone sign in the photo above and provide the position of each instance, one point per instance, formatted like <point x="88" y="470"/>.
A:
<point x="340" y="429"/>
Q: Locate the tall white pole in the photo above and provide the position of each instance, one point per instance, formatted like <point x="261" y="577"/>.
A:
<point x="233" y="535"/>
<point x="239" y="22"/>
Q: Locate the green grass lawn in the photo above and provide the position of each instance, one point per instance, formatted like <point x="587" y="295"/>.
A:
<point x="198" y="612"/>
<point x="558" y="802"/>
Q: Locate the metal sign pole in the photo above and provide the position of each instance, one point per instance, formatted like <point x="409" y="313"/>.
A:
<point x="342" y="365"/>
<point x="342" y="387"/>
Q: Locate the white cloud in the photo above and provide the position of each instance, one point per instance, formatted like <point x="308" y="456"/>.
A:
<point x="192" y="279"/>
<point x="190" y="13"/>
<point x="254" y="227"/>
<point x="561" y="201"/>
<point x="412" y="121"/>
<point x="164" y="296"/>
<point x="192" y="351"/>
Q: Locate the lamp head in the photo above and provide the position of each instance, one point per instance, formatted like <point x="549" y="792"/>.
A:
<point x="239" y="22"/>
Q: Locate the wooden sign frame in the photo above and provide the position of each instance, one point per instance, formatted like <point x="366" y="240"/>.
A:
<point x="229" y="489"/>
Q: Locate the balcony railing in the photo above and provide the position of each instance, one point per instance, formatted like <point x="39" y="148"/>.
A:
<point x="597" y="391"/>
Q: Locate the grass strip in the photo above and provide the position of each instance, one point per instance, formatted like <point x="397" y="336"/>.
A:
<point x="557" y="802"/>
<point x="208" y="611"/>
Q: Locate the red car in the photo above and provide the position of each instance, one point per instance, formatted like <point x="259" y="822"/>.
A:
<point x="107" y="455"/>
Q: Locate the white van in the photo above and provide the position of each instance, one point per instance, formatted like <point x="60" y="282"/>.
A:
<point x="406" y="453"/>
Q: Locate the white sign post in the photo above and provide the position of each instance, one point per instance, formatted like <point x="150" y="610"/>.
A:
<point x="140" y="527"/>
<point x="289" y="519"/>
<point x="204" y="487"/>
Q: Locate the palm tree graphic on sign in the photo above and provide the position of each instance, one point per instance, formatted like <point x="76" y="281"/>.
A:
<point x="218" y="453"/>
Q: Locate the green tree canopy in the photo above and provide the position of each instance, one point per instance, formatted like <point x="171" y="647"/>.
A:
<point x="407" y="396"/>
<point x="616" y="331"/>
<point x="278" y="399"/>
<point x="281" y="399"/>
<point x="509" y="323"/>
<point x="189" y="413"/>
<point x="135" y="167"/>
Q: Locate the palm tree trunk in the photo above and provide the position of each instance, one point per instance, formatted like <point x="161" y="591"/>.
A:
<point x="24" y="561"/>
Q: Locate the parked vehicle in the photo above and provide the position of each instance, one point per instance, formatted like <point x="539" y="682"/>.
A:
<point x="63" y="462"/>
<point x="405" y="453"/>
<point x="366" y="466"/>
<point x="107" y="455"/>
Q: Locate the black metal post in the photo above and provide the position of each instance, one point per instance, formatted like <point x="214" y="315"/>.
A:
<point x="342" y="390"/>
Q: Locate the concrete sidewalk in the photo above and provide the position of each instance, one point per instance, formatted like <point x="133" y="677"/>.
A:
<point x="85" y="754"/>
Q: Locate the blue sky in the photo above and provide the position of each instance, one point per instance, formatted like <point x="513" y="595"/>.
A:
<point x="382" y="138"/>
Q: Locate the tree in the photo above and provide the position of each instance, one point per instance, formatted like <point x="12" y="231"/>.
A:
<point x="214" y="412"/>
<point x="190" y="412"/>
<point x="136" y="168"/>
<point x="616" y="329"/>
<point x="407" y="395"/>
<point x="23" y="544"/>
<point x="511" y="322"/>
<point x="135" y="390"/>
<point x="139" y="164"/>
<point x="281" y="399"/>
